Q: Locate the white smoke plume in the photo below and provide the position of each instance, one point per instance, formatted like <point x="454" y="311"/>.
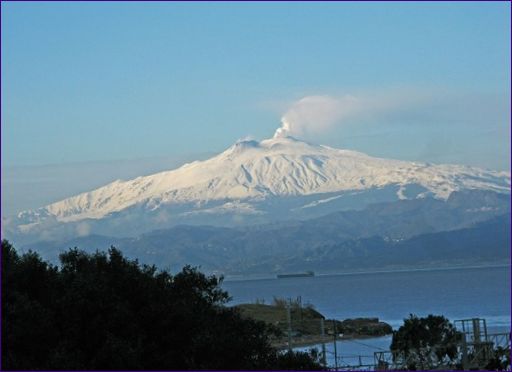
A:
<point x="313" y="115"/>
<point x="316" y="114"/>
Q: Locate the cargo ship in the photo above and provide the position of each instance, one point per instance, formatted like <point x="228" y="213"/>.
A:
<point x="296" y="275"/>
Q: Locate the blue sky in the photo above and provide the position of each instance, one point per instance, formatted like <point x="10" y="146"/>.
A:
<point x="93" y="82"/>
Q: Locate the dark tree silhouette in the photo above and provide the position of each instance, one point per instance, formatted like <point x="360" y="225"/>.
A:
<point x="103" y="311"/>
<point x="424" y="343"/>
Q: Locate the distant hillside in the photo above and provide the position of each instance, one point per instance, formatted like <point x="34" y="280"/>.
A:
<point x="339" y="242"/>
<point x="486" y="242"/>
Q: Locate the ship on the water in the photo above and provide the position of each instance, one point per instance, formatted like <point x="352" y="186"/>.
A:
<point x="296" y="275"/>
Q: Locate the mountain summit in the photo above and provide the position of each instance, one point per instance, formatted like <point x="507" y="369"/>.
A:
<point x="255" y="181"/>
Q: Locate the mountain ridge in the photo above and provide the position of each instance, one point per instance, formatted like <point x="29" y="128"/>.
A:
<point x="346" y="235"/>
<point x="224" y="250"/>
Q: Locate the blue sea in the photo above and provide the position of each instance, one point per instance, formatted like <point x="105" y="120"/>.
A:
<point x="456" y="293"/>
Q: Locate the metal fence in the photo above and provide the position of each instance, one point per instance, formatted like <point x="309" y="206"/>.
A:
<point x="475" y="348"/>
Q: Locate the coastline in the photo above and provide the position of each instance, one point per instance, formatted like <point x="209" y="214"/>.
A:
<point x="315" y="340"/>
<point x="239" y="278"/>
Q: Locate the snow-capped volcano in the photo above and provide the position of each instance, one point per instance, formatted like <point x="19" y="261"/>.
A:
<point x="249" y="175"/>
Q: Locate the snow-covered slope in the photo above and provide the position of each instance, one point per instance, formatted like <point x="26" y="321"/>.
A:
<point x="248" y="173"/>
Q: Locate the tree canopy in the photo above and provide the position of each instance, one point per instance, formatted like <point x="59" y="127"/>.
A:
<point x="103" y="311"/>
<point x="424" y="343"/>
<point x="434" y="343"/>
